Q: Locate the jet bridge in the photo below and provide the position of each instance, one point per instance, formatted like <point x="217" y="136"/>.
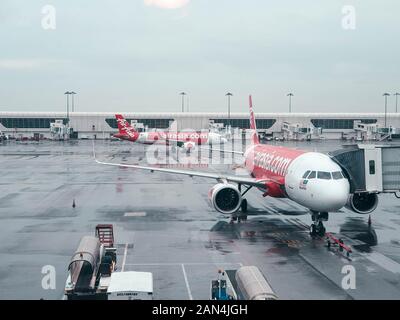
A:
<point x="371" y="168"/>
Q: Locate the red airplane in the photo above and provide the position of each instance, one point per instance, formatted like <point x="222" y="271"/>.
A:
<point x="187" y="140"/>
<point x="311" y="179"/>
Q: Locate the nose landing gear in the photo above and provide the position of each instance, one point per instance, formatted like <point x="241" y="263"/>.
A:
<point x="317" y="228"/>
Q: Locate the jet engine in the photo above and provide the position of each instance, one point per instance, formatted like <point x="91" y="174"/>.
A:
<point x="225" y="198"/>
<point x="362" y="203"/>
<point x="188" y="146"/>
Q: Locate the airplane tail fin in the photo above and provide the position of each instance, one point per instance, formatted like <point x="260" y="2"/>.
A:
<point x="123" y="125"/>
<point x="126" y="131"/>
<point x="253" y="127"/>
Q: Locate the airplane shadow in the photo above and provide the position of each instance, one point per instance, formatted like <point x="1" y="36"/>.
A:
<point x="358" y="229"/>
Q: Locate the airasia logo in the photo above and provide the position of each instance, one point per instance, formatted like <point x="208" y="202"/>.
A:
<point x="181" y="136"/>
<point x="124" y="124"/>
<point x="271" y="162"/>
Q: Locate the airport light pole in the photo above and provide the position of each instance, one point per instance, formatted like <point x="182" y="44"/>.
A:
<point x="73" y="105"/>
<point x="229" y="95"/>
<point x="183" y="94"/>
<point x="290" y="95"/>
<point x="67" y="93"/>
<point x="397" y="95"/>
<point x="386" y="95"/>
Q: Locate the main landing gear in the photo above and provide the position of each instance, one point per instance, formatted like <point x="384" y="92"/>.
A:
<point x="317" y="228"/>
<point x="242" y="214"/>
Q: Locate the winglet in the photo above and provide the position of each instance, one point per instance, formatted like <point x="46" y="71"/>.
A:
<point x="253" y="127"/>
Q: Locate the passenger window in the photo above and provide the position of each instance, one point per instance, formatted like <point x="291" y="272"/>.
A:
<point x="371" y="167"/>
<point x="337" y="175"/>
<point x="324" y="175"/>
<point x="306" y="174"/>
<point x="312" y="175"/>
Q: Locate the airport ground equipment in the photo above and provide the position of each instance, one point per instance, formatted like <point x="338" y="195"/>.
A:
<point x="130" y="285"/>
<point x="92" y="265"/>
<point x="252" y="284"/>
<point x="219" y="287"/>
<point x="370" y="131"/>
<point x="92" y="272"/>
<point x="83" y="268"/>
<point x="59" y="131"/>
<point x="245" y="283"/>
<point x="105" y="233"/>
<point x="331" y="240"/>
<point x="297" y="131"/>
<point x="3" y="137"/>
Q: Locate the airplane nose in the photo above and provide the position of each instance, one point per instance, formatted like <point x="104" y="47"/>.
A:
<point x="338" y="196"/>
<point x="332" y="196"/>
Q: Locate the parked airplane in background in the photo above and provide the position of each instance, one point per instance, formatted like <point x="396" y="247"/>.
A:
<point x="188" y="140"/>
<point x="311" y="179"/>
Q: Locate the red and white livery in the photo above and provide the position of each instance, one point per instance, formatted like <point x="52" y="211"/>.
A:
<point x="311" y="179"/>
<point x="186" y="139"/>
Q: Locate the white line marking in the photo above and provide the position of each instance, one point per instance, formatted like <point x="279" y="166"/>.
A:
<point x="135" y="214"/>
<point x="124" y="260"/>
<point x="384" y="262"/>
<point x="187" y="282"/>
<point x="188" y="263"/>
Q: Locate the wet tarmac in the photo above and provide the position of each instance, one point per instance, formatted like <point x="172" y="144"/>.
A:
<point x="164" y="224"/>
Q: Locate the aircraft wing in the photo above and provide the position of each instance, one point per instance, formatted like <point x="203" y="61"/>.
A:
<point x="219" y="177"/>
<point x="223" y="150"/>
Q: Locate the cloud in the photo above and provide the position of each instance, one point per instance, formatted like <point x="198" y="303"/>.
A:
<point x="167" y="4"/>
<point x="20" y="64"/>
<point x="25" y="64"/>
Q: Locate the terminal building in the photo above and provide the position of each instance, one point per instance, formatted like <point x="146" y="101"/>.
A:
<point x="103" y="125"/>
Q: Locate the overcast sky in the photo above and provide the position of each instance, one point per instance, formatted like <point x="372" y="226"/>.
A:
<point x="137" y="55"/>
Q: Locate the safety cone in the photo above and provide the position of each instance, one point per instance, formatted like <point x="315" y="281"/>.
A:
<point x="73" y="203"/>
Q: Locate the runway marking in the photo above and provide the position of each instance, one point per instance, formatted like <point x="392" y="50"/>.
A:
<point x="323" y="274"/>
<point x="384" y="262"/>
<point x="135" y="214"/>
<point x="124" y="260"/>
<point x="187" y="282"/>
<point x="184" y="263"/>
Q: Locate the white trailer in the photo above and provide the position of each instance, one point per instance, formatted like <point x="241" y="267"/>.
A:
<point x="130" y="285"/>
<point x="253" y="285"/>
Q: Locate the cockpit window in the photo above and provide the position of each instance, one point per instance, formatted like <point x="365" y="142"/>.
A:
<point x="337" y="175"/>
<point x="324" y="175"/>
<point x="306" y="174"/>
<point x="312" y="175"/>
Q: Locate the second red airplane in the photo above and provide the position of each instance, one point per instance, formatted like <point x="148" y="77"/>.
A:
<point x="188" y="140"/>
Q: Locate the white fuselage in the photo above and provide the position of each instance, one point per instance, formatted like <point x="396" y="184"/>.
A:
<point x="323" y="189"/>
